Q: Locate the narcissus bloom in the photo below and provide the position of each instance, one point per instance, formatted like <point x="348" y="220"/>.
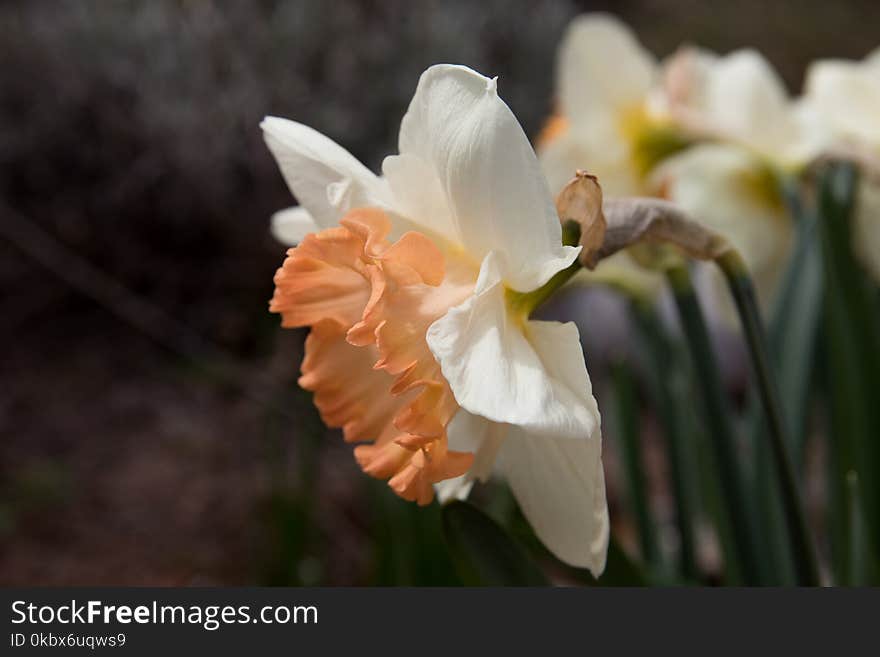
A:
<point x="607" y="124"/>
<point x="846" y="97"/>
<point x="416" y="349"/>
<point x="624" y="112"/>
<point x="727" y="190"/>
<point x="695" y="129"/>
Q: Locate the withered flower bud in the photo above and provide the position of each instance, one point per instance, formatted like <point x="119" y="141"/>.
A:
<point x="649" y="220"/>
<point x="581" y="201"/>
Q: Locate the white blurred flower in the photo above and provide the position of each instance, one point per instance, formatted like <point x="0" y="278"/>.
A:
<point x="725" y="187"/>
<point x="604" y="80"/>
<point x="642" y="128"/>
<point x="740" y="99"/>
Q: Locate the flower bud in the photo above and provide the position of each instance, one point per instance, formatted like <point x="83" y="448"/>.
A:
<point x="581" y="201"/>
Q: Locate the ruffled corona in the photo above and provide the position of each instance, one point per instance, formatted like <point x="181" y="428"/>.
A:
<point x="369" y="303"/>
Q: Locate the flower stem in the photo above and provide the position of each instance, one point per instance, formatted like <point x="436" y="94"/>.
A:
<point x="734" y="269"/>
<point x="662" y="364"/>
<point x="717" y="420"/>
<point x="628" y="430"/>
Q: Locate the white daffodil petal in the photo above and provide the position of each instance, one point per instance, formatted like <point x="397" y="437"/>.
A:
<point x="602" y="71"/>
<point x="872" y="61"/>
<point x="471" y="433"/>
<point x="325" y="178"/>
<point x="747" y="100"/>
<point x="610" y="162"/>
<point x="291" y="225"/>
<point x="496" y="194"/>
<point x="457" y="488"/>
<point x="847" y="95"/>
<point x="560" y="487"/>
<point x="685" y="81"/>
<point x="495" y="367"/>
<point x="728" y="189"/>
<point x="418" y="195"/>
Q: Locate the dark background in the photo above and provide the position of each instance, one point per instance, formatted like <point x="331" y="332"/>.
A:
<point x="135" y="195"/>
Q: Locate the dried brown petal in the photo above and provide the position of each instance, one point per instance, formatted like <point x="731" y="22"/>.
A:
<point x="638" y="220"/>
<point x="581" y="201"/>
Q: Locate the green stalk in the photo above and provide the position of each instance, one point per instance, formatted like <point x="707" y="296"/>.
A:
<point x="717" y="420"/>
<point x="792" y="331"/>
<point x="660" y="365"/>
<point x="628" y="433"/>
<point x="852" y="358"/>
<point x="806" y="564"/>
<point x="860" y="553"/>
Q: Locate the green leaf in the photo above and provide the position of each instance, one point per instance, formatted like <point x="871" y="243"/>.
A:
<point x="852" y="349"/>
<point x="483" y="553"/>
<point x="713" y="403"/>
<point x="407" y="541"/>
<point x="627" y="431"/>
<point x="793" y="327"/>
<point x="667" y="388"/>
<point x="620" y="570"/>
<point x="792" y="337"/>
<point x="764" y="380"/>
<point x="862" y="566"/>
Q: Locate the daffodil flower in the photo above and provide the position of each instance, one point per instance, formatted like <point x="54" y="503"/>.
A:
<point x="727" y="190"/>
<point x="606" y="117"/>
<point x="738" y="99"/>
<point x="750" y="133"/>
<point x="416" y="348"/>
<point x="607" y="123"/>
<point x="846" y="97"/>
<point x="623" y="111"/>
<point x="710" y="133"/>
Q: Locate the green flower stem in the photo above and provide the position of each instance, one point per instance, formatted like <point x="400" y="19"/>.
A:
<point x="851" y="341"/>
<point x="717" y="420"/>
<point x="660" y="361"/>
<point x="628" y="434"/>
<point x="734" y="269"/>
<point x="860" y="553"/>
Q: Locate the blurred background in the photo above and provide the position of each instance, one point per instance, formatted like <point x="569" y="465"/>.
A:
<point x="152" y="430"/>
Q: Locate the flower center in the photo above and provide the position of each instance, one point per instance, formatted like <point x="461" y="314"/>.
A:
<point x="370" y="303"/>
<point x="651" y="140"/>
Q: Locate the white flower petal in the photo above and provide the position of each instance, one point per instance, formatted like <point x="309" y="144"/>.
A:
<point x="418" y="195"/>
<point x="499" y="372"/>
<point x="291" y="225"/>
<point x="872" y="61"/>
<point x="496" y="195"/>
<point x="729" y="189"/>
<point x="611" y="162"/>
<point x="847" y="96"/>
<point x="325" y="178"/>
<point x="457" y="488"/>
<point x="685" y="81"/>
<point x="602" y="71"/>
<point x="471" y="433"/>
<point x="560" y="487"/>
<point x="545" y="424"/>
<point x="747" y="100"/>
